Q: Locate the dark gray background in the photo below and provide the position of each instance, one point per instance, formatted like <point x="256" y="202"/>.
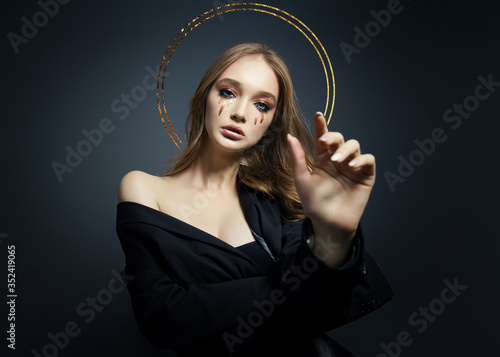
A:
<point x="439" y="224"/>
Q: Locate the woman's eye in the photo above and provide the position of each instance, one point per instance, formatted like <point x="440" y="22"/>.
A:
<point x="263" y="107"/>
<point x="226" y="93"/>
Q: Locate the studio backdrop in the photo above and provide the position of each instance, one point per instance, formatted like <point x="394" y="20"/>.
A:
<point x="417" y="83"/>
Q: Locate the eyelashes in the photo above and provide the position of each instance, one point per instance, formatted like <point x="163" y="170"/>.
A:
<point x="228" y="94"/>
<point x="263" y="107"/>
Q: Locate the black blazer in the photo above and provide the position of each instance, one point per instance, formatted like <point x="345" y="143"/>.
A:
<point x="195" y="294"/>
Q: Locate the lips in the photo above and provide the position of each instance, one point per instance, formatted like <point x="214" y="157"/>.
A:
<point x="232" y="132"/>
<point x="234" y="128"/>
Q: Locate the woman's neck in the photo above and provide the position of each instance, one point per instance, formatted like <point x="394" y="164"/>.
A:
<point x="214" y="167"/>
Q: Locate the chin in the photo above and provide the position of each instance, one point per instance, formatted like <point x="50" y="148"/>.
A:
<point x="233" y="146"/>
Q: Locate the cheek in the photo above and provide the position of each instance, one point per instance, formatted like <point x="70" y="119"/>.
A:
<point x="210" y="107"/>
<point x="259" y="119"/>
<point x="261" y="129"/>
<point x="266" y="119"/>
<point x="262" y="119"/>
<point x="223" y="103"/>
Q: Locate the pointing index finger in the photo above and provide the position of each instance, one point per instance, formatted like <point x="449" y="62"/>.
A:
<point x="319" y="124"/>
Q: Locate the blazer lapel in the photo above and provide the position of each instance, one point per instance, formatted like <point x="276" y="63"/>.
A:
<point x="263" y="216"/>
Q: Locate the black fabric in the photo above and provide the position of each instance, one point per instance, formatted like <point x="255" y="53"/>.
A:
<point x="195" y="294"/>
<point x="324" y="346"/>
<point x="257" y="253"/>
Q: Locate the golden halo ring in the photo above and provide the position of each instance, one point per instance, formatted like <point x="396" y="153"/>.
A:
<point x="195" y="25"/>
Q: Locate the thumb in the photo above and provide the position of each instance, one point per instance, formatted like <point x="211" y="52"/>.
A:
<point x="298" y="159"/>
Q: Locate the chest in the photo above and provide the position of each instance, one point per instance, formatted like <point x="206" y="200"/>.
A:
<point x="219" y="215"/>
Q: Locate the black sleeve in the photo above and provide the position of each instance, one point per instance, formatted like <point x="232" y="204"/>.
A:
<point x="332" y="297"/>
<point x="210" y="318"/>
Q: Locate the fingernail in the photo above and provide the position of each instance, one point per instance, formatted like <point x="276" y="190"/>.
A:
<point x="336" y="156"/>
<point x="323" y="138"/>
<point x="319" y="113"/>
<point x="353" y="163"/>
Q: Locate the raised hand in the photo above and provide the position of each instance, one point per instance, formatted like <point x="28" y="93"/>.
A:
<point x="334" y="194"/>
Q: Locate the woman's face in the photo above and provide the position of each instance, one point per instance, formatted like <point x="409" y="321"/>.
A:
<point x="241" y="104"/>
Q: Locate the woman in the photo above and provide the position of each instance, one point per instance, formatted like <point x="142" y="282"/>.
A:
<point x="249" y="245"/>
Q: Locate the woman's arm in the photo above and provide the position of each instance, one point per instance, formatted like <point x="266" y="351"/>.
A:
<point x="180" y="315"/>
<point x="185" y="313"/>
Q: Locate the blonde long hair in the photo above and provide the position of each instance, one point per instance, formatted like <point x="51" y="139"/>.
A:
<point x="266" y="166"/>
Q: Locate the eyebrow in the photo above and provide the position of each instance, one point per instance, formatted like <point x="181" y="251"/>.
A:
<point x="237" y="84"/>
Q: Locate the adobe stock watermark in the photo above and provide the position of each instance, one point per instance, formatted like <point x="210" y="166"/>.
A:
<point x="92" y="138"/>
<point x="373" y="28"/>
<point x="427" y="146"/>
<point x="217" y="3"/>
<point x="422" y="317"/>
<point x="87" y="310"/>
<point x="292" y="279"/>
<point x="30" y="27"/>
<point x="199" y="202"/>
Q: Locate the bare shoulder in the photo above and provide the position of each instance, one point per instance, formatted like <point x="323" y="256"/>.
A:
<point x="139" y="187"/>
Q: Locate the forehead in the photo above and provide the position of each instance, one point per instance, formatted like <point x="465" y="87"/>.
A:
<point x="254" y="74"/>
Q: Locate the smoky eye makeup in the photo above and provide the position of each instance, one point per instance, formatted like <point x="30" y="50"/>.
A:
<point x="262" y="106"/>
<point x="226" y="93"/>
<point x="225" y="89"/>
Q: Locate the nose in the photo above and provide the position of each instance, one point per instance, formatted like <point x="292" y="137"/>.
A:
<point x="237" y="117"/>
<point x="238" y="113"/>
